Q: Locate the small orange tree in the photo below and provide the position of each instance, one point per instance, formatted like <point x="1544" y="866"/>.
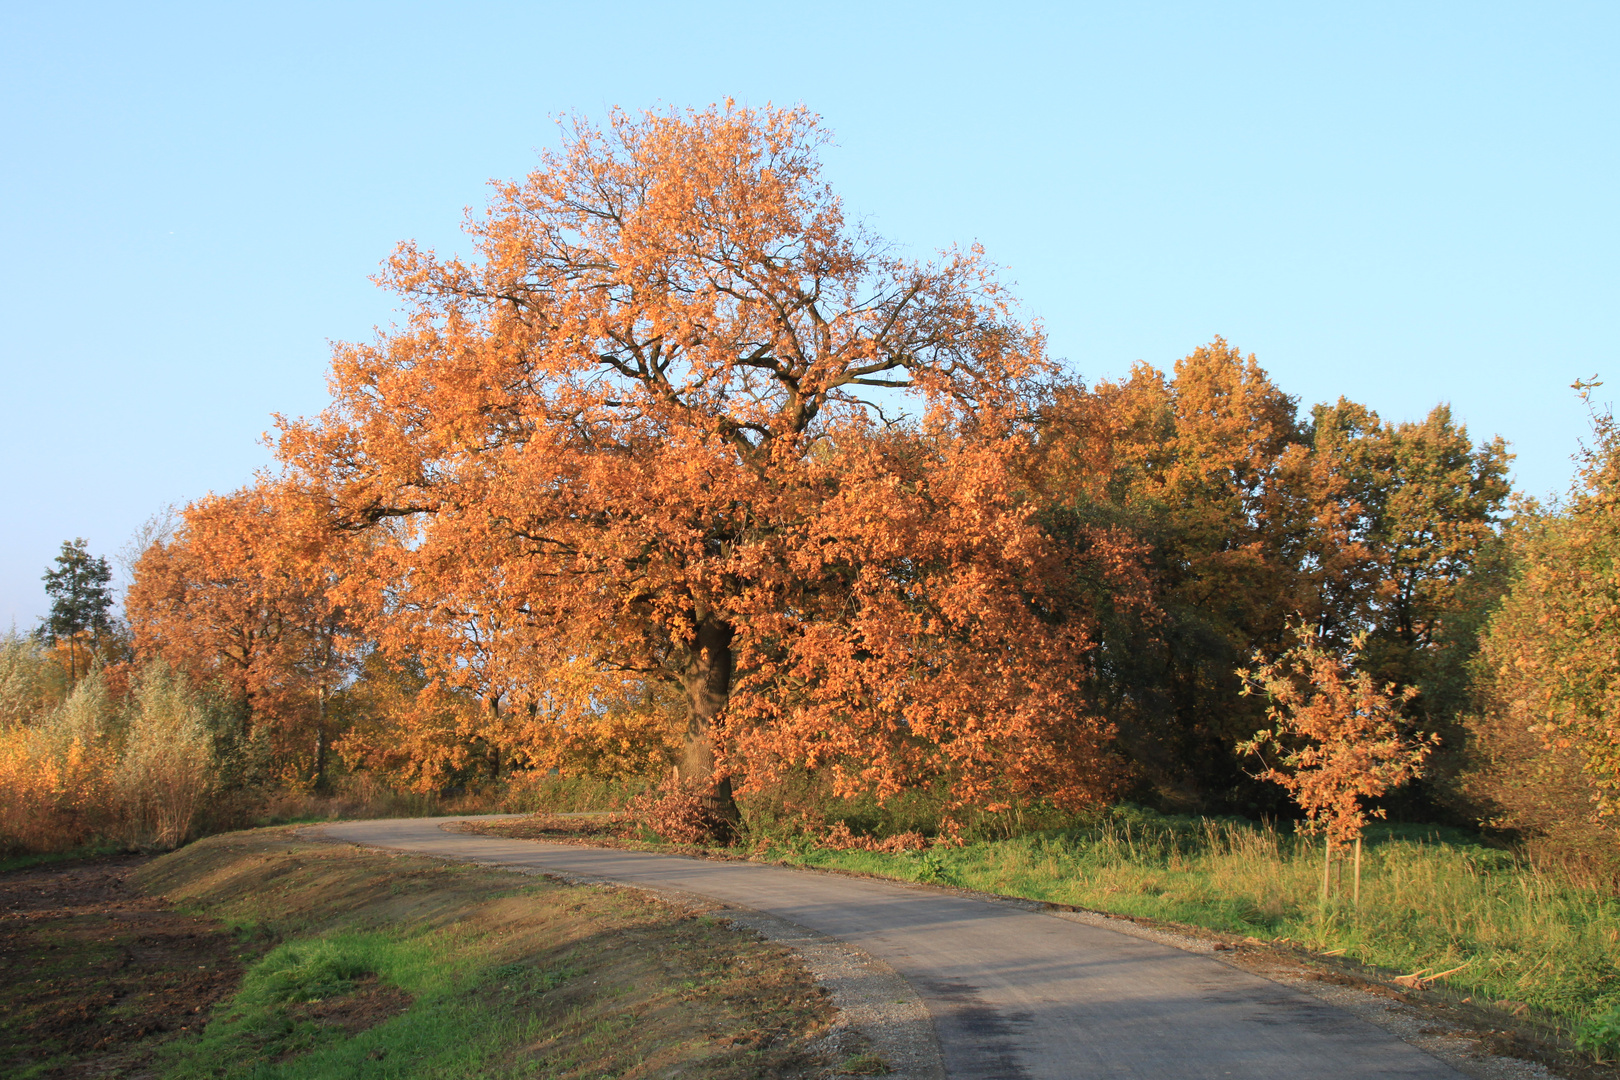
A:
<point x="1336" y="738"/>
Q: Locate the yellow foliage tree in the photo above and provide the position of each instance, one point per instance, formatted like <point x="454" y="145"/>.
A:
<point x="1547" y="740"/>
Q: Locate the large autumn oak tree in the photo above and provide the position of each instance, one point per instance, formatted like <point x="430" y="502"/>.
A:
<point x="652" y="429"/>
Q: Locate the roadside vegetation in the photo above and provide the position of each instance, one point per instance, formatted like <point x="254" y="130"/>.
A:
<point x="141" y="757"/>
<point x="1513" y="935"/>
<point x="319" y="960"/>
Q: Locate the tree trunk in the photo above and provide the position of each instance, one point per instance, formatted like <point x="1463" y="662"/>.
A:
<point x="707" y="679"/>
<point x="493" y="700"/>
<point x="320" y="741"/>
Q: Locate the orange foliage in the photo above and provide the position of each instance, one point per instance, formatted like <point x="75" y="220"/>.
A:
<point x="1256" y="528"/>
<point x="681" y="812"/>
<point x="1336" y="736"/>
<point x="420" y="735"/>
<point x="840" y="838"/>
<point x="239" y="597"/>
<point x="51" y="798"/>
<point x="646" y="437"/>
<point x="684" y="469"/>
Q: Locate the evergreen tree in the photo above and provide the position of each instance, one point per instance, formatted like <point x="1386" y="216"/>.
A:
<point x="81" y="599"/>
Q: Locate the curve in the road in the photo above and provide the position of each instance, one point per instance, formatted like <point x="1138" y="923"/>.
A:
<point x="1014" y="993"/>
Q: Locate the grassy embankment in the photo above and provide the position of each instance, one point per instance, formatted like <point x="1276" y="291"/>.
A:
<point x="361" y="964"/>
<point x="1526" y="939"/>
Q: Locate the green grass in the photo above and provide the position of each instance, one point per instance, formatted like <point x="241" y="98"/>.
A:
<point x="449" y="1029"/>
<point x="1430" y="898"/>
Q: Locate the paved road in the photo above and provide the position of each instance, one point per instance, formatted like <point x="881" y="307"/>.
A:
<point x="1014" y="994"/>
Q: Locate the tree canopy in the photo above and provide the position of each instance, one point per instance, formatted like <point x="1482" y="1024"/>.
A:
<point x="654" y="428"/>
<point x="1549" y="679"/>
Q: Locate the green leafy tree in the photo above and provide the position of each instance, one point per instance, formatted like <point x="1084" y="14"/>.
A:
<point x="1439" y="516"/>
<point x="1248" y="516"/>
<point x="1426" y="506"/>
<point x="1546" y="741"/>
<point x="80" y="588"/>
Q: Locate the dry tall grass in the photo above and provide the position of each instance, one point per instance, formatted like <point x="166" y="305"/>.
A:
<point x="166" y="765"/>
<point x="55" y="763"/>
<point x="88" y="766"/>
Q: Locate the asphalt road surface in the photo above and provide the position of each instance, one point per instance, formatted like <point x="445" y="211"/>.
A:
<point x="1013" y="993"/>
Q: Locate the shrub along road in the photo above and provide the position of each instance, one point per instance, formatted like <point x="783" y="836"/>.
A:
<point x="1014" y="993"/>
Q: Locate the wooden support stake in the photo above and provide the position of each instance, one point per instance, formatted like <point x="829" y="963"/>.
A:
<point x="1357" y="893"/>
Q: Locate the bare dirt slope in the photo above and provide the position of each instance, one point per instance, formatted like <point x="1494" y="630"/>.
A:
<point x="95" y="974"/>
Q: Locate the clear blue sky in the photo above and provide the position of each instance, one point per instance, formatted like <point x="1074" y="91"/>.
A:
<point x="1402" y="203"/>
